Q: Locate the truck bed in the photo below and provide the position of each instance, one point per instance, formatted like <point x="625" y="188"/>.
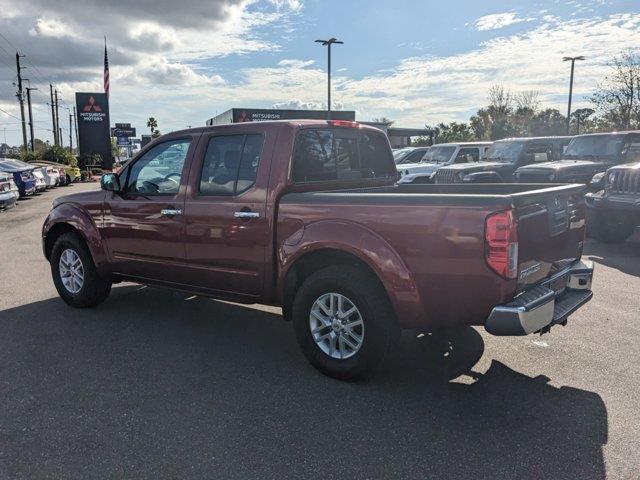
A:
<point x="438" y="232"/>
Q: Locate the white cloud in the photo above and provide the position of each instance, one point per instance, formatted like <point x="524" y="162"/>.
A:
<point x="169" y="74"/>
<point x="295" y="63"/>
<point x="498" y="20"/>
<point x="291" y="4"/>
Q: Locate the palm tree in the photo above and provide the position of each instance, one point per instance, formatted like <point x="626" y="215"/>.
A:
<point x="152" y="123"/>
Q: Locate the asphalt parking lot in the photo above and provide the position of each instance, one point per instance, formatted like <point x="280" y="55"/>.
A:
<point x="155" y="384"/>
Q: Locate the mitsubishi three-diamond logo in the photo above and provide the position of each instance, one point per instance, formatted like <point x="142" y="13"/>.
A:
<point x="92" y="106"/>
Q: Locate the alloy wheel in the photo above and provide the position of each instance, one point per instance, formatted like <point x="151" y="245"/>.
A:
<point x="71" y="271"/>
<point x="336" y="325"/>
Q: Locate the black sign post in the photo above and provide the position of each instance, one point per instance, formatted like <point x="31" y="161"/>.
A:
<point x="93" y="126"/>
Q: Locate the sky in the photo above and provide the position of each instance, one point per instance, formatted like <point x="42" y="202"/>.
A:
<point x="415" y="62"/>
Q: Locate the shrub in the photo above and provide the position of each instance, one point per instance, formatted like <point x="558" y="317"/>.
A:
<point x="59" y="155"/>
<point x="29" y="156"/>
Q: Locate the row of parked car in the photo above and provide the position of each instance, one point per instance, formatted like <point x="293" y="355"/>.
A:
<point x="20" y="179"/>
<point x="608" y="163"/>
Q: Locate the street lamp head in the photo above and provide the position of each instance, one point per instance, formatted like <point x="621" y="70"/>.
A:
<point x="331" y="41"/>
<point x="568" y="59"/>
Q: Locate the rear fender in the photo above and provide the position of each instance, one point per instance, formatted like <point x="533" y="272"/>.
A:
<point x="367" y="246"/>
<point x="71" y="215"/>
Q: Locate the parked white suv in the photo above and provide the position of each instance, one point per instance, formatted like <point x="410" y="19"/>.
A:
<point x="440" y="155"/>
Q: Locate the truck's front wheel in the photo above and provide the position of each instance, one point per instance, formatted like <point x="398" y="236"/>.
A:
<point x="343" y="322"/>
<point x="74" y="273"/>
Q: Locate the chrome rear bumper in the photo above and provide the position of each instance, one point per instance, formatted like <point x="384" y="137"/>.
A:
<point x="536" y="310"/>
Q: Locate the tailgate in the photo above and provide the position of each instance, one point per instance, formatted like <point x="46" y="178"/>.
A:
<point x="551" y="230"/>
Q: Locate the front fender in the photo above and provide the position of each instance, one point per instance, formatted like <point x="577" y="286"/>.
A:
<point x="483" y="177"/>
<point x="369" y="247"/>
<point x="75" y="216"/>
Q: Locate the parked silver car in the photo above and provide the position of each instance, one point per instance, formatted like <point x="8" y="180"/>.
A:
<point x="51" y="175"/>
<point x="41" y="184"/>
<point x="9" y="193"/>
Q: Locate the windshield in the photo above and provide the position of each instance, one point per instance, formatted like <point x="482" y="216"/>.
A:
<point x="438" y="154"/>
<point x="506" y="152"/>
<point x="594" y="146"/>
<point x="399" y="155"/>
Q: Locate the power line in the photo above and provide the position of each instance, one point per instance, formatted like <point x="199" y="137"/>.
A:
<point x="4" y="111"/>
<point x="37" y="73"/>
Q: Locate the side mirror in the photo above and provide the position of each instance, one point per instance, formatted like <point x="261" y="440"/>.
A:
<point x="110" y="182"/>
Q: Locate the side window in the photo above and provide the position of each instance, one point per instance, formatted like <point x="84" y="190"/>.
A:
<point x="158" y="172"/>
<point x="467" y="154"/>
<point x="347" y="161"/>
<point x="376" y="159"/>
<point x="415" y="157"/>
<point x="249" y="162"/>
<point x="341" y="154"/>
<point x="313" y="159"/>
<point x="631" y="151"/>
<point x="230" y="164"/>
<point x="540" y="152"/>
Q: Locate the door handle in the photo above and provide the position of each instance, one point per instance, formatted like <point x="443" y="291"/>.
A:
<point x="170" y="212"/>
<point x="245" y="214"/>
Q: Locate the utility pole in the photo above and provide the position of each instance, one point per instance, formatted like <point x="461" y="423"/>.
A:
<point x="21" y="100"/>
<point x="573" y="61"/>
<point x="33" y="145"/>
<point x="75" y="124"/>
<point x="57" y="127"/>
<point x="70" y="132"/>
<point x="328" y="43"/>
<point x="60" y="137"/>
<point x="53" y="117"/>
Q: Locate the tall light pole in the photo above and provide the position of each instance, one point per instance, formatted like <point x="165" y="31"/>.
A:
<point x="328" y="43"/>
<point x="573" y="61"/>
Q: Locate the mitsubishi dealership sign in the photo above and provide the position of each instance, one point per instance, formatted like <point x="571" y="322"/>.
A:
<point x="93" y="126"/>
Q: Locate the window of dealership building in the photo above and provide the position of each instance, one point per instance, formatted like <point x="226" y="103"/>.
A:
<point x="398" y="137"/>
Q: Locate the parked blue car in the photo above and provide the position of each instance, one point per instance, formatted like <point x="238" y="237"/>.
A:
<point x="22" y="176"/>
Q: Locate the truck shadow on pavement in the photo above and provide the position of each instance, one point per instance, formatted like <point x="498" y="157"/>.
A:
<point x="156" y="384"/>
<point x="623" y="256"/>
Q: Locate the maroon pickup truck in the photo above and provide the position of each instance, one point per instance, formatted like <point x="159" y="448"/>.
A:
<point x="306" y="215"/>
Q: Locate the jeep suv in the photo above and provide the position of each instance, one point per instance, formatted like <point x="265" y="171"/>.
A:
<point x="614" y="213"/>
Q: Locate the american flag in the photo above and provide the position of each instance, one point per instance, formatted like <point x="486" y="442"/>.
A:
<point x="106" y="69"/>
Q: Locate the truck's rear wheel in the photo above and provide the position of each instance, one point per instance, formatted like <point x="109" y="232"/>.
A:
<point x="74" y="273"/>
<point x="343" y="322"/>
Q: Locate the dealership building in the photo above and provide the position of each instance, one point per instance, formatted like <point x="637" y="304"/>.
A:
<point x="398" y="137"/>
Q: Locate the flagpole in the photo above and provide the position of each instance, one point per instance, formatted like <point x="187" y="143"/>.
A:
<point x="106" y="69"/>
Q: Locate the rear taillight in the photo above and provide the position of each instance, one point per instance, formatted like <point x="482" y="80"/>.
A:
<point x="501" y="243"/>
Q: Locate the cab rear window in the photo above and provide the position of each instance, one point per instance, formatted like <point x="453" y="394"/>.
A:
<point x="341" y="154"/>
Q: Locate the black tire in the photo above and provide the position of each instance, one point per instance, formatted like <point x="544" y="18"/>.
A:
<point x="95" y="289"/>
<point x="381" y="331"/>
<point x="607" y="229"/>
